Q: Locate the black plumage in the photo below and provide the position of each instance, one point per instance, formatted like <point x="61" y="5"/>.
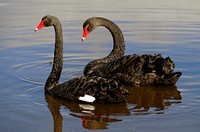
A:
<point x="102" y="89"/>
<point x="135" y="69"/>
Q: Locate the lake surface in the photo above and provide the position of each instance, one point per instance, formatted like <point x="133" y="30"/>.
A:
<point x="170" y="27"/>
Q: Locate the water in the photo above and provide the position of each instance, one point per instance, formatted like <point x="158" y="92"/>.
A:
<point x="168" y="27"/>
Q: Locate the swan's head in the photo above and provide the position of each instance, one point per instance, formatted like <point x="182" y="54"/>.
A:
<point x="46" y="22"/>
<point x="88" y="26"/>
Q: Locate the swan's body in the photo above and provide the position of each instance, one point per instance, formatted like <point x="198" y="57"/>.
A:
<point x="135" y="69"/>
<point x="85" y="88"/>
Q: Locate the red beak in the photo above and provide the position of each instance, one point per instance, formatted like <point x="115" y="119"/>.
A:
<point x="40" y="26"/>
<point x="85" y="33"/>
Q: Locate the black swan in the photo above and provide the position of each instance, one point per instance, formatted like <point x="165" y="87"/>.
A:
<point x="84" y="88"/>
<point x="135" y="69"/>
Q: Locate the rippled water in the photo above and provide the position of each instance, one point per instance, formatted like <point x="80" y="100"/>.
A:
<point x="168" y="27"/>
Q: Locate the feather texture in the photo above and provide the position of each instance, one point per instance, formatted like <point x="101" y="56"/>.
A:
<point x="135" y="69"/>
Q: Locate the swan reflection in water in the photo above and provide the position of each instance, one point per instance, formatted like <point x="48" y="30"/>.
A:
<point x="95" y="116"/>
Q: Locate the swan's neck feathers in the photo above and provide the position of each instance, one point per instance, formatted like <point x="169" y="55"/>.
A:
<point x="87" y="98"/>
<point x="58" y="57"/>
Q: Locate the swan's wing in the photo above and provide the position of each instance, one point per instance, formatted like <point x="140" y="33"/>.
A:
<point x="103" y="90"/>
<point x="148" y="79"/>
<point x="140" y="70"/>
<point x="137" y="64"/>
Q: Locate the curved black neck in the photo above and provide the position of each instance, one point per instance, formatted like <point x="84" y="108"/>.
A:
<point x="58" y="57"/>
<point x="118" y="46"/>
<point x="118" y="38"/>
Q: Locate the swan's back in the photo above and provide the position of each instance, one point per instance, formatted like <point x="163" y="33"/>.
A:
<point x="140" y="69"/>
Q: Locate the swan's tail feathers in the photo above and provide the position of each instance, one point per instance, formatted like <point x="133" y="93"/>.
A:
<point x="171" y="79"/>
<point x="164" y="66"/>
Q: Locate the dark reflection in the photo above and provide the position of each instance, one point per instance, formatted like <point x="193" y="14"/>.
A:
<point x="157" y="98"/>
<point x="95" y="122"/>
<point x="144" y="100"/>
<point x="54" y="107"/>
<point x="93" y="116"/>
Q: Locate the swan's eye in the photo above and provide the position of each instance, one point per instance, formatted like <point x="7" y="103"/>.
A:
<point x="87" y="27"/>
<point x="46" y="22"/>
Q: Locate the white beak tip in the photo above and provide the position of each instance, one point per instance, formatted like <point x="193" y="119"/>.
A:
<point x="83" y="38"/>
<point x="36" y="29"/>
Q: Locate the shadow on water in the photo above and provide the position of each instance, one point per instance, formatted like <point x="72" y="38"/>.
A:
<point x="142" y="101"/>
